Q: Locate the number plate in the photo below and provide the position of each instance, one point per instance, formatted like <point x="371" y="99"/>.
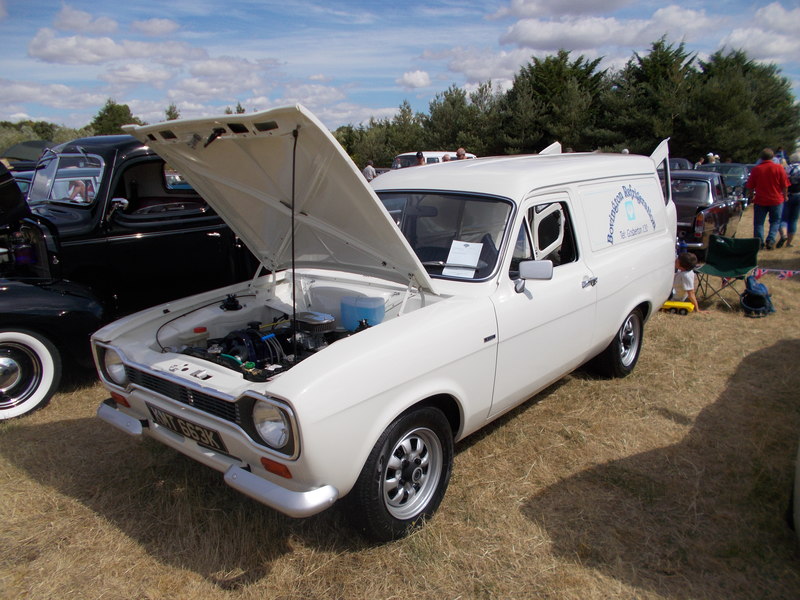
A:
<point x="202" y="435"/>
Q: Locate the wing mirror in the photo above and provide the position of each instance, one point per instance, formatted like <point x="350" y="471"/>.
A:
<point x="533" y="269"/>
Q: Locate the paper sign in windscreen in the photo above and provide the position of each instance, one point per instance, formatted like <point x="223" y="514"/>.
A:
<point x="464" y="257"/>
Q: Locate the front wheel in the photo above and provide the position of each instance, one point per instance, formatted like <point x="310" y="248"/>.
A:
<point x="30" y="370"/>
<point x="622" y="354"/>
<point x="405" y="477"/>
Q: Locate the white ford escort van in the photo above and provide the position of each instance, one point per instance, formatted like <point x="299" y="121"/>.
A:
<point x="387" y="323"/>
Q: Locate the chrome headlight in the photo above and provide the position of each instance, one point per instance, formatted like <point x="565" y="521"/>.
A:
<point x="114" y="367"/>
<point x="272" y="425"/>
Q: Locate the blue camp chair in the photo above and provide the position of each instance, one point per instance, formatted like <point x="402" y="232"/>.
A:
<point x="728" y="262"/>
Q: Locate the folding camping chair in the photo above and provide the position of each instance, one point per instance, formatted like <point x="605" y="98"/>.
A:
<point x="730" y="260"/>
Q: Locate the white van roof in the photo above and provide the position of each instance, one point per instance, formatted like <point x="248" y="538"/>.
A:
<point x="515" y="176"/>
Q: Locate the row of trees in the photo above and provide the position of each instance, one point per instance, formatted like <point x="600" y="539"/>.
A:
<point x="108" y="121"/>
<point x="729" y="104"/>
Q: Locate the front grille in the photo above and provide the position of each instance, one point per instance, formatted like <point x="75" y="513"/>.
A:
<point x="185" y="395"/>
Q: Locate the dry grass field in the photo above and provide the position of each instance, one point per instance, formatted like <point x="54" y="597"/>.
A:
<point x="671" y="483"/>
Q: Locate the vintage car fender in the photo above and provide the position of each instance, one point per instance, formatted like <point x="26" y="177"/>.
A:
<point x="370" y="376"/>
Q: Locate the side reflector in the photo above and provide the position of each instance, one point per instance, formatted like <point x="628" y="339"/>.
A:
<point x="276" y="467"/>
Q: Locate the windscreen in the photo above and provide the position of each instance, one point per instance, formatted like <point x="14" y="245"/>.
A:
<point x="67" y="178"/>
<point x="453" y="235"/>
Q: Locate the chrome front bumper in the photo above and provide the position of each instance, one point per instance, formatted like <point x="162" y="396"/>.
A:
<point x="292" y="503"/>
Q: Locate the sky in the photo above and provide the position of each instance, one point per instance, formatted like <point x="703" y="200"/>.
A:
<point x="346" y="61"/>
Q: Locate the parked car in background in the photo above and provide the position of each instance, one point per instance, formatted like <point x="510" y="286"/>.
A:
<point x="704" y="206"/>
<point x="129" y="226"/>
<point x="409" y="159"/>
<point x="108" y="229"/>
<point x="351" y="368"/>
<point x="679" y="163"/>
<point x="734" y="174"/>
<point x="42" y="319"/>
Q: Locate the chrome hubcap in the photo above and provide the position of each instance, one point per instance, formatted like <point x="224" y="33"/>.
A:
<point x="412" y="473"/>
<point x="20" y="374"/>
<point x="9" y="373"/>
<point x="629" y="335"/>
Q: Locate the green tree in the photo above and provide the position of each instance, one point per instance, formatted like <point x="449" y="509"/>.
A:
<point x="112" y="117"/>
<point x="738" y="106"/>
<point x="406" y="132"/>
<point x="552" y="99"/>
<point x="172" y="113"/>
<point x="650" y="97"/>
<point x="451" y="121"/>
<point x="486" y="103"/>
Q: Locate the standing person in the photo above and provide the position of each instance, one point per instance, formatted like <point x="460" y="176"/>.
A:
<point x="461" y="154"/>
<point x="791" y="208"/>
<point x="369" y="171"/>
<point x="769" y="183"/>
<point x="420" y="159"/>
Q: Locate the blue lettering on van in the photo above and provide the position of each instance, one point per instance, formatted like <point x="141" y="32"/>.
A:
<point x="633" y="197"/>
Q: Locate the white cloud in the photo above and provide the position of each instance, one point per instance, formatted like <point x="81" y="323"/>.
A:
<point x="414" y="79"/>
<point x="546" y="8"/>
<point x="23" y="91"/>
<point x="776" y="18"/>
<point x="763" y="45"/>
<point x="71" y="19"/>
<point x="79" y="49"/>
<point x="588" y="33"/>
<point x="155" y="27"/>
<point x="134" y="73"/>
<point x="311" y="95"/>
<point x="480" y="64"/>
<point x="573" y="34"/>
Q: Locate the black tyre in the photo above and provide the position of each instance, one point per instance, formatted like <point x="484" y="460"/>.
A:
<point x="622" y="354"/>
<point x="405" y="476"/>
<point x="30" y="371"/>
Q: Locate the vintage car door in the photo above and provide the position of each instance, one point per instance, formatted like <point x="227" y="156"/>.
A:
<point x="545" y="330"/>
<point x="165" y="242"/>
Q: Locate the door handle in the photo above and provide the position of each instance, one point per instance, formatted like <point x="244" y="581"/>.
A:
<point x="589" y="281"/>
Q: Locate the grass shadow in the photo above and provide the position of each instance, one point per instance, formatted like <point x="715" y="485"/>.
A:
<point x="667" y="520"/>
<point x="178" y="510"/>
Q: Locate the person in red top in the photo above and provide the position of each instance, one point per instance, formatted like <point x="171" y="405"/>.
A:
<point x="769" y="184"/>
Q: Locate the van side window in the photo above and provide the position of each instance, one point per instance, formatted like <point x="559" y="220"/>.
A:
<point x="545" y="234"/>
<point x="553" y="234"/>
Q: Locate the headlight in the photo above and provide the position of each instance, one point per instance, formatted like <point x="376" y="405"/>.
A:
<point x="113" y="367"/>
<point x="272" y="424"/>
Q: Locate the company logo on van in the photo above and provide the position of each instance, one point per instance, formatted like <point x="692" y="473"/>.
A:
<point x="630" y="197"/>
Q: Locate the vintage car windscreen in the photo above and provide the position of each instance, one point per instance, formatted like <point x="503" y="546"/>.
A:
<point x="455" y="236"/>
<point x="67" y="179"/>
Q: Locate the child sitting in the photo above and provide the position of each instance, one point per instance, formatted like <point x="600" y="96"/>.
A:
<point x="683" y="284"/>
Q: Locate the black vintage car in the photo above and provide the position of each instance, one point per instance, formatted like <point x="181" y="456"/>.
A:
<point x="108" y="229"/>
<point x="705" y="206"/>
<point x="41" y="318"/>
<point x="129" y="226"/>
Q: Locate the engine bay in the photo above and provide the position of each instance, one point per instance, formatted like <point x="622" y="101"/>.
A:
<point x="263" y="339"/>
<point x="262" y="351"/>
